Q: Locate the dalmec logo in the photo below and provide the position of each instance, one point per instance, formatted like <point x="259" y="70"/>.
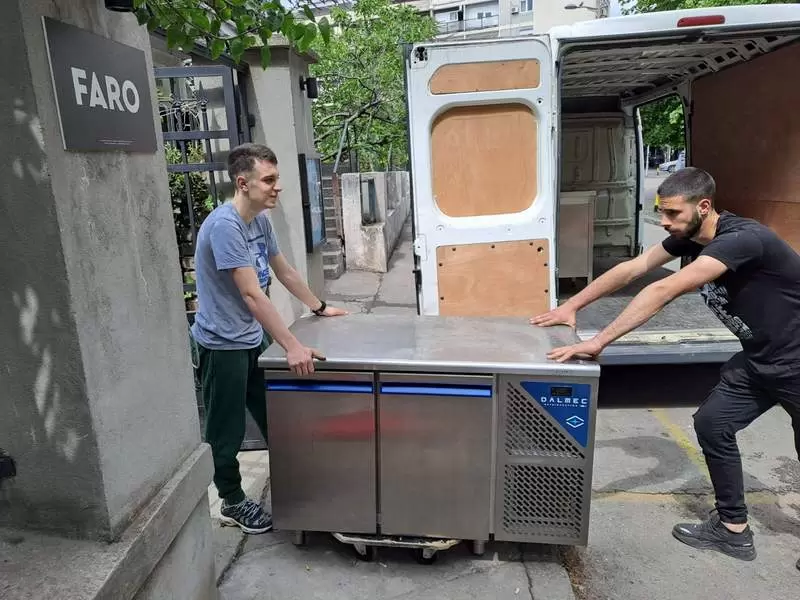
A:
<point x="555" y="401"/>
<point x="116" y="97"/>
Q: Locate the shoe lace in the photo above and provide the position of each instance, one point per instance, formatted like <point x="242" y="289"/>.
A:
<point x="252" y="510"/>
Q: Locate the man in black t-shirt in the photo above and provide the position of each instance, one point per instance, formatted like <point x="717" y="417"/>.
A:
<point x="750" y="278"/>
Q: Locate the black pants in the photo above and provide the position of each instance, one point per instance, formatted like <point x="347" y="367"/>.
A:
<point x="232" y="382"/>
<point x="738" y="399"/>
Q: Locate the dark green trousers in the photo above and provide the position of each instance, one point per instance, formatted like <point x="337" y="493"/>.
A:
<point x="232" y="382"/>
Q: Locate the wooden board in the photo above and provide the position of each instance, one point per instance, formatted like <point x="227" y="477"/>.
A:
<point x="486" y="76"/>
<point x="752" y="146"/>
<point x="483" y="160"/>
<point x="499" y="279"/>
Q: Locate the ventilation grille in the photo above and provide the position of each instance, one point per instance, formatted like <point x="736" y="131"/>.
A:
<point x="529" y="432"/>
<point x="543" y="501"/>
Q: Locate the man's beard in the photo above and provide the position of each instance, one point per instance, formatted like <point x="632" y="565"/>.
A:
<point x="694" y="226"/>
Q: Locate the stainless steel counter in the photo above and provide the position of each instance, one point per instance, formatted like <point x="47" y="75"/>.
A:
<point x="432" y="344"/>
<point x="439" y="427"/>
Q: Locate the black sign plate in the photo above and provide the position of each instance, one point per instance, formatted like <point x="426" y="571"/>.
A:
<point x="102" y="89"/>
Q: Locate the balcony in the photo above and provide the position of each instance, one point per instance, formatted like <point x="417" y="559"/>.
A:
<point x="468" y="24"/>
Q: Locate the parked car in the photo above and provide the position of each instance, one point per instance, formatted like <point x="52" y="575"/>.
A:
<point x="673" y="165"/>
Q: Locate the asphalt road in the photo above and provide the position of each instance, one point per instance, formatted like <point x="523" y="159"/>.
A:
<point x="649" y="474"/>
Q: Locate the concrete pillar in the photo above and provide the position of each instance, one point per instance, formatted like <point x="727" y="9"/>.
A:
<point x="282" y="114"/>
<point x="97" y="404"/>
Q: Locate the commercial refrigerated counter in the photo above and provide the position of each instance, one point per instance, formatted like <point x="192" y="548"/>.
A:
<point x="432" y="427"/>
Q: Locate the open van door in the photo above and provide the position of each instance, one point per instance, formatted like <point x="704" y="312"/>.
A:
<point x="483" y="176"/>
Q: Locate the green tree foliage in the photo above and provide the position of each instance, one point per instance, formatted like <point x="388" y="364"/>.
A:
<point x="361" y="108"/>
<point x="231" y="26"/>
<point x="662" y="121"/>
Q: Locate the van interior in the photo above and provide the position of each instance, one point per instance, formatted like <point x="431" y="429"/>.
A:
<point x="742" y="125"/>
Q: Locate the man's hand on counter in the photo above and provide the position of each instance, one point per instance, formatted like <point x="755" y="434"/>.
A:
<point x="301" y="359"/>
<point x="588" y="349"/>
<point x="563" y="315"/>
<point x="332" y="311"/>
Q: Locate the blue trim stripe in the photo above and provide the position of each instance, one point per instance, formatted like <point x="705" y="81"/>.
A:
<point x="466" y="391"/>
<point x="330" y="387"/>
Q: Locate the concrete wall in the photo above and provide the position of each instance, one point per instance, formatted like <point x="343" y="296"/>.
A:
<point x="283" y="122"/>
<point x="751" y="144"/>
<point x="98" y="406"/>
<point x="190" y="552"/>
<point x="368" y="247"/>
<point x="98" y="398"/>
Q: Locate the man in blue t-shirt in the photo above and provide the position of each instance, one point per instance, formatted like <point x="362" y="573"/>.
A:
<point x="750" y="279"/>
<point x="236" y="247"/>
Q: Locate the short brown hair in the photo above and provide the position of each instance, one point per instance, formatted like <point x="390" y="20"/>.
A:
<point x="691" y="184"/>
<point x="243" y="157"/>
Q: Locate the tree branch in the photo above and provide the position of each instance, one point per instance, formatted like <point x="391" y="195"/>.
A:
<point x="347" y="122"/>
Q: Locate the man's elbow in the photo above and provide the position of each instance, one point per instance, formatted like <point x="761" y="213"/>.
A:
<point x="251" y="296"/>
<point x="665" y="291"/>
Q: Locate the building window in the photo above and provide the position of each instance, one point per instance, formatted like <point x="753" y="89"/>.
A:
<point x="526" y="6"/>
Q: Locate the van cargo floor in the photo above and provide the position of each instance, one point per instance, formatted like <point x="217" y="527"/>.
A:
<point x="686" y="313"/>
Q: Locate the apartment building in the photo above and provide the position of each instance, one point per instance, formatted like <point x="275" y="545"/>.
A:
<point x="471" y="19"/>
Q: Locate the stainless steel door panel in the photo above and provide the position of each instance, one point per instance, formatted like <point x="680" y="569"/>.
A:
<point x="435" y="446"/>
<point x="322" y="451"/>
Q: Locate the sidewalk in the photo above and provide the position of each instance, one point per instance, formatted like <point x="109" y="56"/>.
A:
<point x="269" y="566"/>
<point x="379" y="293"/>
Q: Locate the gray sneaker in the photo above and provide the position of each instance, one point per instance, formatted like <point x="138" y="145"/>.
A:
<point x="248" y="515"/>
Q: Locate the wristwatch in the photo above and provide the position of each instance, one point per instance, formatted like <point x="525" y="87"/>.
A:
<point x="321" y="309"/>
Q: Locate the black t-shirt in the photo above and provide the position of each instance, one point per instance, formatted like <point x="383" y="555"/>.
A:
<point x="758" y="297"/>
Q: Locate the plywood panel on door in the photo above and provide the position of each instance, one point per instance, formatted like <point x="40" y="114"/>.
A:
<point x="486" y="76"/>
<point x="483" y="160"/>
<point x="494" y="279"/>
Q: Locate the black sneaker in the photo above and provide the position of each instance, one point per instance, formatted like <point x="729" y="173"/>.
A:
<point x="713" y="535"/>
<point x="248" y="515"/>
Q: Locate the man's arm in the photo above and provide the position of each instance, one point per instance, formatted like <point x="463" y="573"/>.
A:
<point x="300" y="358"/>
<point x="646" y="304"/>
<point x="609" y="282"/>
<point x="292" y="281"/>
<point x="621" y="275"/>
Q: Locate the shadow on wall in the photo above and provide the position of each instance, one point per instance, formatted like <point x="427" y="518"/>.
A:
<point x="44" y="414"/>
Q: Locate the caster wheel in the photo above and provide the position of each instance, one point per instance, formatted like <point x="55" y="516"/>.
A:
<point x="420" y="555"/>
<point x="366" y="553"/>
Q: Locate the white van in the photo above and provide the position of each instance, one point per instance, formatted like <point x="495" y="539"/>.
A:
<point x="528" y="165"/>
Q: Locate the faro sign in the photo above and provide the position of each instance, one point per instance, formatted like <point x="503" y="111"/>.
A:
<point x="102" y="90"/>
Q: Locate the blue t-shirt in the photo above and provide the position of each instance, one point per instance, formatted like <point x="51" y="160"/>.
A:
<point x="225" y="242"/>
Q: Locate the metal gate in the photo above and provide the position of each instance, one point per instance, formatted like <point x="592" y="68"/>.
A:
<point x="204" y="114"/>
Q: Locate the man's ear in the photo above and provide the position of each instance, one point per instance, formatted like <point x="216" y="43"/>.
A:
<point x="241" y="183"/>
<point x="704" y="206"/>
